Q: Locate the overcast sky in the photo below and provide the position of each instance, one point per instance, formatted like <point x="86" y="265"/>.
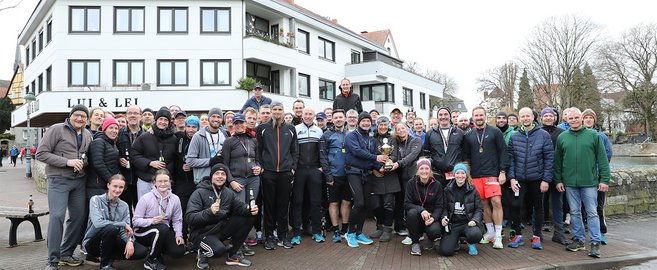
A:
<point x="460" y="38"/>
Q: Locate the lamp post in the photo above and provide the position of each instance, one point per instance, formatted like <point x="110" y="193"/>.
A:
<point x="29" y="97"/>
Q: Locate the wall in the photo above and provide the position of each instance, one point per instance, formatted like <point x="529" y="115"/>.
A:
<point x="632" y="190"/>
<point x="626" y="150"/>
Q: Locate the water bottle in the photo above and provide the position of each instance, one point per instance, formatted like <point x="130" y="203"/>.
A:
<point x="252" y="201"/>
<point x="30" y="205"/>
<point x="446" y="226"/>
<point x="517" y="192"/>
<point x="161" y="156"/>
<point x="127" y="157"/>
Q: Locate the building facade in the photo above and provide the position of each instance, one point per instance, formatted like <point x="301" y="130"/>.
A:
<point x="114" y="54"/>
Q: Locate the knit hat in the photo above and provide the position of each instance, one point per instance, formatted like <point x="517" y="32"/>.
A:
<point x="591" y="113"/>
<point x="548" y="110"/>
<point x="364" y="115"/>
<point x="512" y="115"/>
<point x="444" y="108"/>
<point x="382" y="119"/>
<point x="215" y="110"/>
<point x="423" y="161"/>
<point x="109" y="120"/>
<point x="276" y="103"/>
<point x="147" y="110"/>
<point x="221" y="167"/>
<point x="502" y="114"/>
<point x="193" y="120"/>
<point x="374" y="110"/>
<point x="163" y="112"/>
<point x="229" y="112"/>
<point x="79" y="107"/>
<point x="462" y="167"/>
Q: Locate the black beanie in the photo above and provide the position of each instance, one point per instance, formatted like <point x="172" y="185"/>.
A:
<point x="163" y="112"/>
<point x="79" y="107"/>
<point x="445" y="108"/>
<point x="362" y="116"/>
<point x="221" y="167"/>
<point x="501" y="114"/>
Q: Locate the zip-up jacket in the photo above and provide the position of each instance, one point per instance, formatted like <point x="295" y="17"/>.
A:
<point x="124" y="143"/>
<point x="580" y="159"/>
<point x="253" y="103"/>
<point x="554" y="132"/>
<point x="507" y="133"/>
<point x="199" y="216"/>
<point x="278" y="150"/>
<point x="182" y="146"/>
<point x="434" y="146"/>
<point x="309" y="148"/>
<point x="236" y="156"/>
<point x="420" y="196"/>
<point x="531" y="155"/>
<point x="153" y="204"/>
<point x="361" y="152"/>
<point x="103" y="161"/>
<point x="59" y="144"/>
<point x="148" y="147"/>
<point x="473" y="207"/>
<point x="408" y="153"/>
<point x="99" y="216"/>
<point x="352" y="101"/>
<point x="331" y="155"/>
<point x="493" y="159"/>
<point x="389" y="183"/>
<point x="605" y="141"/>
<point x="198" y="154"/>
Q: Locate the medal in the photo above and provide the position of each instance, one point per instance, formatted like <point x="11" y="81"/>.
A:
<point x="481" y="149"/>
<point x="248" y="160"/>
<point x="344" y="150"/>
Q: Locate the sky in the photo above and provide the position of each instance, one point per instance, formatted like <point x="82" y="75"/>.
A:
<point x="461" y="38"/>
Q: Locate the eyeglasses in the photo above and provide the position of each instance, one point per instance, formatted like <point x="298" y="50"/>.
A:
<point x="78" y="115"/>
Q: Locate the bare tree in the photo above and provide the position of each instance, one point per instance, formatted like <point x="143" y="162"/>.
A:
<point x="503" y="78"/>
<point x="10" y="6"/>
<point x="630" y="65"/>
<point x="555" y="49"/>
<point x="411" y="66"/>
<point x="449" y="83"/>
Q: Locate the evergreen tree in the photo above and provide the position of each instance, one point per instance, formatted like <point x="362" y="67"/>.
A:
<point x="576" y="91"/>
<point x="525" y="96"/>
<point x="591" y="91"/>
<point x="6" y="107"/>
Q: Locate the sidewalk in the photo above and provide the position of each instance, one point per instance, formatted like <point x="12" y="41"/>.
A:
<point x="311" y="255"/>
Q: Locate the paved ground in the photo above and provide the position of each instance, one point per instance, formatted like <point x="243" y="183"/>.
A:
<point x="14" y="190"/>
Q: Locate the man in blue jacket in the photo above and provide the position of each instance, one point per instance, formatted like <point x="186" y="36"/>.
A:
<point x="530" y="169"/>
<point x="256" y="100"/>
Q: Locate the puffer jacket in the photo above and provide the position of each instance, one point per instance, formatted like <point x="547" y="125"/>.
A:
<point x="148" y="147"/>
<point x="530" y="155"/>
<point x="389" y="183"/>
<point x="441" y="161"/>
<point x="473" y="206"/>
<point x="361" y="153"/>
<point x="429" y="196"/>
<point x="236" y="155"/>
<point x="408" y="153"/>
<point x="331" y="155"/>
<point x="124" y="144"/>
<point x="103" y="160"/>
<point x="199" y="216"/>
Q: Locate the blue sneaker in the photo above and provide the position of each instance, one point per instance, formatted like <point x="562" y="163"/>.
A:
<point x="351" y="240"/>
<point x="362" y="239"/>
<point x="504" y="223"/>
<point x="536" y="243"/>
<point x="603" y="240"/>
<point x="472" y="250"/>
<point x="296" y="240"/>
<point x="318" y="237"/>
<point x="337" y="236"/>
<point x="516" y="242"/>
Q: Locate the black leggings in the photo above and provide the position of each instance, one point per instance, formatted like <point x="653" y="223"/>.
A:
<point x="357" y="214"/>
<point x="416" y="226"/>
<point x="450" y="240"/>
<point x="307" y="181"/>
<point x="531" y="189"/>
<point x="276" y="187"/>
<point x="108" y="245"/>
<point x="161" y="239"/>
<point x="400" y="213"/>
<point x="237" y="228"/>
<point x="384" y="207"/>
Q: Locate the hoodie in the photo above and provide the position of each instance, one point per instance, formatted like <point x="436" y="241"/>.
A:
<point x="153" y="204"/>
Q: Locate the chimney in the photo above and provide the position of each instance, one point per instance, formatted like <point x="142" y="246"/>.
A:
<point x="290" y="2"/>
<point x="334" y="21"/>
<point x="363" y="32"/>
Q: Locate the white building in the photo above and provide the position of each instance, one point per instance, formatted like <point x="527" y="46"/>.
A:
<point x="117" y="53"/>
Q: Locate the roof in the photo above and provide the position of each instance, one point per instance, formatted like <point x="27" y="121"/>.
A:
<point x="615" y="96"/>
<point x="380" y="37"/>
<point x="4" y="88"/>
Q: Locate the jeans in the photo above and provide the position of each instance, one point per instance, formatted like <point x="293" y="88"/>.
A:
<point x="143" y="187"/>
<point x="589" y="198"/>
<point x="556" y="201"/>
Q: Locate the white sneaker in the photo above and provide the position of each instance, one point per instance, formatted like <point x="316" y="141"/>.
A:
<point x="498" y="243"/>
<point x="487" y="239"/>
<point x="407" y="241"/>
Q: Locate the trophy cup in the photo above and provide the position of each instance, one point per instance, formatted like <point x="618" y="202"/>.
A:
<point x="386" y="149"/>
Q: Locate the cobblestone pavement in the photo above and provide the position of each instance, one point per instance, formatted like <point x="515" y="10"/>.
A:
<point x="14" y="191"/>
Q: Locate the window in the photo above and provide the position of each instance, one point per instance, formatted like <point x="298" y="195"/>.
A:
<point x="304" y="85"/>
<point x="40" y="41"/>
<point x="34" y="49"/>
<point x="49" y="79"/>
<point x="326" y="49"/>
<point x="39" y="88"/>
<point x="275" y="82"/>
<point x="172" y="20"/>
<point x="84" y="20"/>
<point x="128" y="72"/>
<point x="256" y="25"/>
<point x="215" y="72"/>
<point x="355" y="57"/>
<point x="129" y="20"/>
<point x="215" y="20"/>
<point x="172" y="72"/>
<point x="27" y="89"/>
<point x="383" y="92"/>
<point x="33" y="87"/>
<point x="303" y="41"/>
<point x="274" y="31"/>
<point x="260" y="73"/>
<point x="460" y="106"/>
<point x="48" y="32"/>
<point x="84" y="72"/>
<point x="423" y="101"/>
<point x="408" y="97"/>
<point x="27" y="55"/>
<point x="326" y="89"/>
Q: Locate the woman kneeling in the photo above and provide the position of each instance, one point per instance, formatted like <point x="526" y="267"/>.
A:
<point x="423" y="202"/>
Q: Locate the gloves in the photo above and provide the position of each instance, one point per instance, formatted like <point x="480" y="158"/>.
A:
<point x="216" y="160"/>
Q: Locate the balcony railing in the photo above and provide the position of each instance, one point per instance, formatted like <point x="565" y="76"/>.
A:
<point x="282" y="40"/>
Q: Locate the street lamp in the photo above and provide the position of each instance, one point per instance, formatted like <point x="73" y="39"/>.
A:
<point x="29" y="97"/>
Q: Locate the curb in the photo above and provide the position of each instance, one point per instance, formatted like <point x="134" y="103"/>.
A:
<point x="605" y="263"/>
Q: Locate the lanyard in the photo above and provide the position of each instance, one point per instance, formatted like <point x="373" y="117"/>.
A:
<point x="109" y="208"/>
<point x="246" y="146"/>
<point x="163" y="209"/>
<point x="218" y="195"/>
<point x="445" y="140"/>
<point x="481" y="140"/>
<point x="426" y="191"/>
<point x="367" y="141"/>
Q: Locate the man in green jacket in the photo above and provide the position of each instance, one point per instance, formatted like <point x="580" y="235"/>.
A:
<point x="581" y="169"/>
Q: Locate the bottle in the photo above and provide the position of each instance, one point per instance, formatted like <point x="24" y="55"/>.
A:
<point x="127" y="157"/>
<point x="252" y="201"/>
<point x="446" y="226"/>
<point x="30" y="204"/>
<point x="517" y="193"/>
<point x="161" y="156"/>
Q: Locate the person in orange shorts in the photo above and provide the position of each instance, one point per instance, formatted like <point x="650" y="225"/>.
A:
<point x="486" y="152"/>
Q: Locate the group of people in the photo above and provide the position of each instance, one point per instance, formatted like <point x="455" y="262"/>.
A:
<point x="14" y="154"/>
<point x="167" y="183"/>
